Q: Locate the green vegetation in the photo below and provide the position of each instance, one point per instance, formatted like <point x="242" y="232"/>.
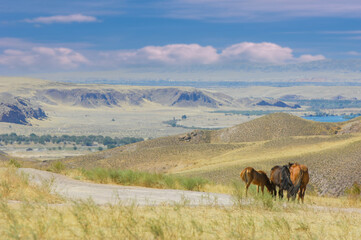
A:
<point x="137" y="178"/>
<point x="67" y="139"/>
<point x="14" y="163"/>
<point x="57" y="167"/>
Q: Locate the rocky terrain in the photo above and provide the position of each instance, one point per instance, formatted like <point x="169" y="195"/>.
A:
<point x="92" y="98"/>
<point x="18" y="110"/>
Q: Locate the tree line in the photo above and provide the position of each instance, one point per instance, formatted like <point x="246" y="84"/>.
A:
<point x="68" y="139"/>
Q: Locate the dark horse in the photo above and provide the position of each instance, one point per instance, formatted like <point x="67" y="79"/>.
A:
<point x="281" y="177"/>
<point x="250" y="175"/>
<point x="299" y="171"/>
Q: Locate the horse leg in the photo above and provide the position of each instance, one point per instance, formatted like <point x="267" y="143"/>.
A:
<point x="247" y="186"/>
<point x="280" y="193"/>
<point x="262" y="188"/>
<point x="300" y="195"/>
<point x="257" y="188"/>
<point x="303" y="194"/>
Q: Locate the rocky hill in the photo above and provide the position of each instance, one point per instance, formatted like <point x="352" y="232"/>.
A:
<point x="92" y="98"/>
<point x="18" y="110"/>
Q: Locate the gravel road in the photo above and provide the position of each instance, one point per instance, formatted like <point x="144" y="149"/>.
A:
<point x="112" y="194"/>
<point x="105" y="193"/>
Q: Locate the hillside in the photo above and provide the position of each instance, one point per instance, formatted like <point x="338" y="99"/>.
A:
<point x="220" y="157"/>
<point x="273" y="126"/>
<point x="18" y="110"/>
<point x="97" y="95"/>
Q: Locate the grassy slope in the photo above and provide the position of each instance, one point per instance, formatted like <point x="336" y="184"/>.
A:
<point x="273" y="126"/>
<point x="261" y="143"/>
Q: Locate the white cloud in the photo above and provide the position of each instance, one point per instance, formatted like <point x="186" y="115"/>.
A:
<point x="37" y="58"/>
<point x="168" y="55"/>
<point x="62" y="19"/>
<point x="257" y="52"/>
<point x="354" y="53"/>
<point x="310" y="58"/>
<point x="264" y="53"/>
<point x="44" y="58"/>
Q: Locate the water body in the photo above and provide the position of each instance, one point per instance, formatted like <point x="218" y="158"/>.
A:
<point x="330" y="118"/>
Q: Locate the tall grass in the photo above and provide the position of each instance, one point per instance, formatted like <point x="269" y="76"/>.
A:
<point x="17" y="186"/>
<point x="145" y="179"/>
<point x="86" y="220"/>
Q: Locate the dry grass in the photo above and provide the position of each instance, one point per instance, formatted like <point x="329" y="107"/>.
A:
<point x="333" y="158"/>
<point x="273" y="126"/>
<point x="261" y="218"/>
<point x="17" y="186"/>
<point x="85" y="220"/>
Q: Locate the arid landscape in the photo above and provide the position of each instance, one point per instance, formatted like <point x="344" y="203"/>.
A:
<point x="185" y="139"/>
<point x="180" y="119"/>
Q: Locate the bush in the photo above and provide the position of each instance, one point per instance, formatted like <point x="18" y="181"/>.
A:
<point x="14" y="163"/>
<point x="193" y="183"/>
<point x="354" y="191"/>
<point x="57" y="167"/>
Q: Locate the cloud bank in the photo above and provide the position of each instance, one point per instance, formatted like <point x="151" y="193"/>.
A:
<point x="79" y="18"/>
<point x="195" y="54"/>
<point x="44" y="58"/>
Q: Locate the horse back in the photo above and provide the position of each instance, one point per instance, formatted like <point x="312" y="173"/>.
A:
<point x="275" y="175"/>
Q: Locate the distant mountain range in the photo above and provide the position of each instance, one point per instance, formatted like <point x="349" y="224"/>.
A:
<point x="345" y="72"/>
<point x="21" y="100"/>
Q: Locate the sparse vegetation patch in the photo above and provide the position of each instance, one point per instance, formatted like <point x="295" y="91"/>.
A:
<point x="145" y="179"/>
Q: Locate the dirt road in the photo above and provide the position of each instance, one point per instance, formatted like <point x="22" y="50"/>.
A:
<point x="105" y="193"/>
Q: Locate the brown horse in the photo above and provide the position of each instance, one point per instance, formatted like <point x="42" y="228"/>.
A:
<point x="259" y="178"/>
<point x="299" y="171"/>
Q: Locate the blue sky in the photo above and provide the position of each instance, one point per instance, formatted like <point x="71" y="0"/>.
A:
<point x="42" y="36"/>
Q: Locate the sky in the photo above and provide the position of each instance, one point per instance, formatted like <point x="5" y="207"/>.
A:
<point x="41" y="36"/>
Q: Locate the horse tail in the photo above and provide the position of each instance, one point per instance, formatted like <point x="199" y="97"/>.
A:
<point x="297" y="186"/>
<point x="244" y="175"/>
<point x="286" y="179"/>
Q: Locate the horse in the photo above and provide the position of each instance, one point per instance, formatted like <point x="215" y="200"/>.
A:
<point x="299" y="171"/>
<point x="250" y="175"/>
<point x="280" y="177"/>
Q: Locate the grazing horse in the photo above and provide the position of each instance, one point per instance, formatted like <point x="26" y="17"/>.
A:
<point x="250" y="175"/>
<point x="299" y="171"/>
<point x="280" y="177"/>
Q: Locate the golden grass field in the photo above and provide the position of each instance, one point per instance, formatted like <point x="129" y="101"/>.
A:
<point x="36" y="216"/>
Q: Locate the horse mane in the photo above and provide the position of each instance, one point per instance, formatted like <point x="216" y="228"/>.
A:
<point x="286" y="178"/>
<point x="275" y="167"/>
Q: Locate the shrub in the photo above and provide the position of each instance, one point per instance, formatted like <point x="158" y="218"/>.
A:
<point x="14" y="163"/>
<point x="354" y="191"/>
<point x="57" y="167"/>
